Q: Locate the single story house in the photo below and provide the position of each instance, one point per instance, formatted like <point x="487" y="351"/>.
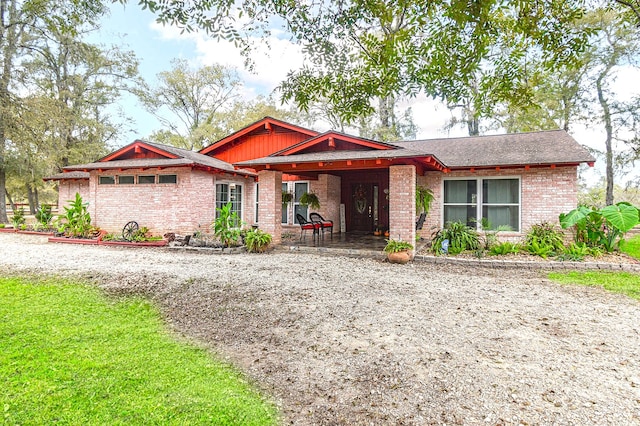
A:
<point x="362" y="184"/>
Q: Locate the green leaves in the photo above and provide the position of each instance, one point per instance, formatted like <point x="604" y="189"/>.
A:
<point x="622" y="216"/>
<point x="601" y="228"/>
<point x="574" y="216"/>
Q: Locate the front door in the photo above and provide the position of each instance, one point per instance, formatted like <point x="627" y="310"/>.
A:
<point x="364" y="208"/>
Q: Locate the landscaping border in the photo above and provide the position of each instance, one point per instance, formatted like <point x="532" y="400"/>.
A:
<point x="525" y="264"/>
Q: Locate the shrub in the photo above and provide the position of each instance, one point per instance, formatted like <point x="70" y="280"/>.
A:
<point x="18" y="218"/>
<point x="226" y="226"/>
<point x="505" y="248"/>
<point x="601" y="228"/>
<point x="76" y="221"/>
<point x="460" y="237"/>
<point x="544" y="239"/>
<point x="257" y="240"/>
<point x="44" y="215"/>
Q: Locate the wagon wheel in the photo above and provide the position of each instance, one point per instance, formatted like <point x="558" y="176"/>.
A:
<point x="129" y="230"/>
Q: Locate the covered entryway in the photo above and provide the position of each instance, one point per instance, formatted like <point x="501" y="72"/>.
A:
<point x="365" y="197"/>
<point x="375" y="182"/>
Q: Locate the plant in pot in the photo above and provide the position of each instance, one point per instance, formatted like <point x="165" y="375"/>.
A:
<point x="398" y="251"/>
<point x="257" y="241"/>
<point x="424" y="198"/>
<point x="287" y="197"/>
<point x="310" y="199"/>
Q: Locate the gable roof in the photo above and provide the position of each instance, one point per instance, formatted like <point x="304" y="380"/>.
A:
<point x="553" y="147"/>
<point x="512" y="149"/>
<point x="166" y="156"/>
<point x="331" y="137"/>
<point x="267" y="123"/>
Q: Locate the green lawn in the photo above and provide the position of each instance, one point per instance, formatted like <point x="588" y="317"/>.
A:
<point x="631" y="246"/>
<point x="616" y="282"/>
<point x="70" y="356"/>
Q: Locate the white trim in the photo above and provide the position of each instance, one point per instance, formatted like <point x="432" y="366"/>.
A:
<point x="479" y="199"/>
<point x="228" y="182"/>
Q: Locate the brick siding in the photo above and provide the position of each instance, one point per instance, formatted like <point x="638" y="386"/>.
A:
<point x="402" y="204"/>
<point x="67" y="190"/>
<point x="328" y="188"/>
<point x="183" y="207"/>
<point x="545" y="193"/>
<point x="270" y="204"/>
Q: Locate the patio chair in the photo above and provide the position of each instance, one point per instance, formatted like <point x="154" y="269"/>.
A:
<point x="420" y="221"/>
<point x="305" y="225"/>
<point x="324" y="224"/>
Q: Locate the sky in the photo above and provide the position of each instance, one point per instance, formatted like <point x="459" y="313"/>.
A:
<point x="156" y="45"/>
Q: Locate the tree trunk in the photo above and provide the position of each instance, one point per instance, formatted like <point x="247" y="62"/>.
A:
<point x="11" y="203"/>
<point x="606" y="116"/>
<point x="473" y="125"/>
<point x="8" y="43"/>
<point x="31" y="196"/>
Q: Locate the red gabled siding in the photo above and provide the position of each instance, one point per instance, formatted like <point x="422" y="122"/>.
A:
<point x="257" y="145"/>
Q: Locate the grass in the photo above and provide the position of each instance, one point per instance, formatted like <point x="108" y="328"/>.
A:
<point x="70" y="356"/>
<point x="615" y="282"/>
<point x="631" y="246"/>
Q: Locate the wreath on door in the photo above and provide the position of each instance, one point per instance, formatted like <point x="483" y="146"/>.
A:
<point x="360" y="199"/>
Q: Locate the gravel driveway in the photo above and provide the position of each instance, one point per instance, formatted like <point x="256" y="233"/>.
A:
<point x="338" y="340"/>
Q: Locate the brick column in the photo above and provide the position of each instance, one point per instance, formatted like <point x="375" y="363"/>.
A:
<point x="270" y="203"/>
<point x="402" y="203"/>
<point x="328" y="189"/>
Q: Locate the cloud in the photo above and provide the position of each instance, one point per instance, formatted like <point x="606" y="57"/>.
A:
<point x="273" y="57"/>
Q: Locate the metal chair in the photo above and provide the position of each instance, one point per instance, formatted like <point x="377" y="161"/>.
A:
<point x="324" y="224"/>
<point x="305" y="225"/>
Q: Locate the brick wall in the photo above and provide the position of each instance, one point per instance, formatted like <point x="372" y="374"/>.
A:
<point x="328" y="188"/>
<point x="270" y="203"/>
<point x="183" y="207"/>
<point x="67" y="190"/>
<point x="402" y="204"/>
<point x="545" y="193"/>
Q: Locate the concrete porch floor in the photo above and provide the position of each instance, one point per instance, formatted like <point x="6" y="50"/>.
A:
<point x="360" y="244"/>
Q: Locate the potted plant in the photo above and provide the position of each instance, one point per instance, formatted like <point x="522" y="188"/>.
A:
<point x="257" y="241"/>
<point x="398" y="251"/>
<point x="287" y="197"/>
<point x="310" y="199"/>
<point x="424" y="198"/>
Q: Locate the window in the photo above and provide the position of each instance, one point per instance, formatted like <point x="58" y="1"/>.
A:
<point x="299" y="188"/>
<point x="167" y="179"/>
<point x="285" y="206"/>
<point x="107" y="180"/>
<point x="229" y="192"/>
<point x="146" y="179"/>
<point x="497" y="200"/>
<point x="126" y="180"/>
<point x="257" y="202"/>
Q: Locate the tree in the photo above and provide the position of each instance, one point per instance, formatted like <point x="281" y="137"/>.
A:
<point x="19" y="19"/>
<point x="583" y="92"/>
<point x="365" y="52"/>
<point x="616" y="44"/>
<point x="194" y="97"/>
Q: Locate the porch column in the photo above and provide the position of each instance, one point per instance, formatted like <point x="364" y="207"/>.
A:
<point x="270" y="203"/>
<point x="328" y="189"/>
<point x="402" y="203"/>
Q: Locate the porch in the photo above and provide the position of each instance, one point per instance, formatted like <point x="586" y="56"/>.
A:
<point x="354" y="243"/>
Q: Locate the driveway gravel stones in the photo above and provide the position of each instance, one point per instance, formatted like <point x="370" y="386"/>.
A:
<point x="337" y="340"/>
